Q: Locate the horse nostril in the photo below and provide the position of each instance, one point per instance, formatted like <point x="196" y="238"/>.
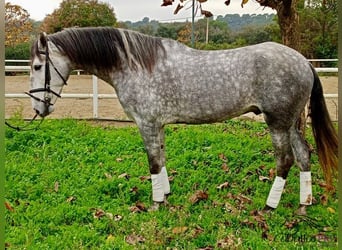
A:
<point x="37" y="111"/>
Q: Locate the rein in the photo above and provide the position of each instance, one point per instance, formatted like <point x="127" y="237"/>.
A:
<point x="24" y="127"/>
<point x="47" y="91"/>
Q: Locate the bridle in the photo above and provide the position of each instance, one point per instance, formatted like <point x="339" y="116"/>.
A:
<point x="48" y="92"/>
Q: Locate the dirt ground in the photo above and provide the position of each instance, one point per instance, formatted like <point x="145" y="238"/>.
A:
<point x="110" y="109"/>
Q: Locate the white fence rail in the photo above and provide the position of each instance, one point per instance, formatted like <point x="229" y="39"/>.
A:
<point x="96" y="96"/>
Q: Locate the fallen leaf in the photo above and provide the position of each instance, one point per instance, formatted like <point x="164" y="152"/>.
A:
<point x="331" y="210"/>
<point x="179" y="230"/>
<point x="261" y="222"/>
<point x="134" y="239"/>
<point x="248" y="223"/>
<point x="108" y="176"/>
<point x="124" y="175"/>
<point x="139" y="207"/>
<point x="134" y="190"/>
<point x="229" y="242"/>
<point x="71" y="199"/>
<point x="263" y="178"/>
<point x="56" y="186"/>
<point x="322" y="237"/>
<point x="199" y="195"/>
<point x="243" y="199"/>
<point x="98" y="213"/>
<point x="291" y="224"/>
<point x="117" y="217"/>
<point x="173" y="172"/>
<point x="266" y="236"/>
<point x="328" y="229"/>
<point x="110" y="239"/>
<point x="322" y="184"/>
<point x="230" y="196"/>
<point x="207" y="248"/>
<point x="324" y="199"/>
<point x="223" y="185"/>
<point x="145" y="178"/>
<point x="230" y="208"/>
<point x="9" y="207"/>
<point x="225" y="167"/>
<point x="197" y="231"/>
<point x="223" y="157"/>
<point x="271" y="173"/>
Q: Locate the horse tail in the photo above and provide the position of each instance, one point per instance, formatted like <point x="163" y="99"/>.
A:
<point x="324" y="132"/>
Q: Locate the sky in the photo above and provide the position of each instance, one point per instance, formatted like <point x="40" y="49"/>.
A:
<point x="136" y="10"/>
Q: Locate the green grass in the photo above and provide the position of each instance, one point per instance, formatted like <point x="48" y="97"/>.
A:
<point x="74" y="185"/>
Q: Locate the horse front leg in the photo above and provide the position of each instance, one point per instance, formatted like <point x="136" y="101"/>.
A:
<point x="154" y="141"/>
<point x="285" y="159"/>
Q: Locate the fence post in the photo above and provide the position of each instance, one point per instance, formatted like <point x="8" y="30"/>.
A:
<point x="95" y="97"/>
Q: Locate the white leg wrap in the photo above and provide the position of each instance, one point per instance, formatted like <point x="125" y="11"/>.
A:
<point x="276" y="192"/>
<point x="157" y="188"/>
<point x="165" y="180"/>
<point x="305" y="188"/>
<point x="160" y="185"/>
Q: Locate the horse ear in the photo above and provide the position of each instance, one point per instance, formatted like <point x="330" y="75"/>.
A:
<point x="42" y="41"/>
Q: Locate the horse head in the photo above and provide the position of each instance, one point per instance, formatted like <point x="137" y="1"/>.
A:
<point x="50" y="69"/>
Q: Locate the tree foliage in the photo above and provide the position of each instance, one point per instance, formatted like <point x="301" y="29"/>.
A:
<point x="319" y="26"/>
<point x="79" y="13"/>
<point x="286" y="11"/>
<point x="17" y="25"/>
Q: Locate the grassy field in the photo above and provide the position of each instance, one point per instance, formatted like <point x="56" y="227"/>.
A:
<point x="76" y="185"/>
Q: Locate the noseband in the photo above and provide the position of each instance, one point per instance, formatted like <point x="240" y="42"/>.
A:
<point x="47" y="89"/>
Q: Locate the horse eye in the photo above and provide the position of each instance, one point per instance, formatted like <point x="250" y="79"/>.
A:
<point x="37" y="67"/>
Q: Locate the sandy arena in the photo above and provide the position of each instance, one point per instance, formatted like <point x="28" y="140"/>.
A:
<point x="110" y="109"/>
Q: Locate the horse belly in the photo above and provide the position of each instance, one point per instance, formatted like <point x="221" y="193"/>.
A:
<point x="215" y="104"/>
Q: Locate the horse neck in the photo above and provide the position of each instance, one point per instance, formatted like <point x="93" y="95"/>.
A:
<point x="102" y="74"/>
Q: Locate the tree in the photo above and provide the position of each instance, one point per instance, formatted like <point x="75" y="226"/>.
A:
<point x="79" y="13"/>
<point x="169" y="30"/>
<point x="17" y="25"/>
<point x="288" y="18"/>
<point x="320" y="39"/>
<point x="218" y="31"/>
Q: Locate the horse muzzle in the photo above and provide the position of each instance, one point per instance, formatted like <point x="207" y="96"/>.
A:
<point x="44" y="106"/>
<point x="43" y="109"/>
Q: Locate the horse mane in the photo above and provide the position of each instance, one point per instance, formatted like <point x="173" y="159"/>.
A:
<point x="105" y="48"/>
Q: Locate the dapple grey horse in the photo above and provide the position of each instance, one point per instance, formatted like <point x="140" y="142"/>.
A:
<point x="160" y="81"/>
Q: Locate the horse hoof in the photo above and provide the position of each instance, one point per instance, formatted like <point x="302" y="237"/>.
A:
<point x="301" y="210"/>
<point x="155" y="206"/>
<point x="266" y="210"/>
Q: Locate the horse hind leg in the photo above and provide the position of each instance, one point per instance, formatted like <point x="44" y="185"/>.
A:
<point x="284" y="160"/>
<point x="153" y="137"/>
<point x="302" y="155"/>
